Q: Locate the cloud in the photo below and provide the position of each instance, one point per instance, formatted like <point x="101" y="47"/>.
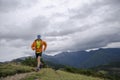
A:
<point x="113" y="45"/>
<point x="8" y="53"/>
<point x="7" y="5"/>
<point x="64" y="25"/>
<point x="25" y="31"/>
<point x="95" y="25"/>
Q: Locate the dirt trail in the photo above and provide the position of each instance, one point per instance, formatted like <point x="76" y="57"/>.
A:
<point x="16" y="76"/>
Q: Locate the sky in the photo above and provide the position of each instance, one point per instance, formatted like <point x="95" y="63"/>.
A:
<point x="66" y="25"/>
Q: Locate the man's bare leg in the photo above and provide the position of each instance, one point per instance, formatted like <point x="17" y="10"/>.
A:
<point x="38" y="63"/>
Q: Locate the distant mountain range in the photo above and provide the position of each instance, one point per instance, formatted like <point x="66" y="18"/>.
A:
<point x="84" y="59"/>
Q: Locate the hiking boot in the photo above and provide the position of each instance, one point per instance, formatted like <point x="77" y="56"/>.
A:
<point x="40" y="66"/>
<point x="37" y="69"/>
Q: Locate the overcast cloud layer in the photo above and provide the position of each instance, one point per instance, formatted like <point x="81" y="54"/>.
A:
<point x="66" y="25"/>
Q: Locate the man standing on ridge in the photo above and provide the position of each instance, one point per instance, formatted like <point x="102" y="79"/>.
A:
<point x="39" y="46"/>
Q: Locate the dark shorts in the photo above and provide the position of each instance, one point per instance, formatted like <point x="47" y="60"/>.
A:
<point x="38" y="54"/>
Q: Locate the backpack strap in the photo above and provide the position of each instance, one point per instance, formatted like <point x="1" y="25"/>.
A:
<point x="38" y="39"/>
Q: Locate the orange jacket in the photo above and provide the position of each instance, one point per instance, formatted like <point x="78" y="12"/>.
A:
<point x="42" y="47"/>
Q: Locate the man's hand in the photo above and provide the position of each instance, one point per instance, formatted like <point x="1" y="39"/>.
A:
<point x="33" y="48"/>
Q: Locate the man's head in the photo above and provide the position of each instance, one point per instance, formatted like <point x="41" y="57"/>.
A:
<point x="38" y="36"/>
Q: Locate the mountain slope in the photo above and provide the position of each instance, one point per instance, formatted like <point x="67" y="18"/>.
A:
<point x="83" y="59"/>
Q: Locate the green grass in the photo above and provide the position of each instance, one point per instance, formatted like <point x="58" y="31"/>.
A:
<point x="11" y="69"/>
<point x="44" y="74"/>
<point x="50" y="74"/>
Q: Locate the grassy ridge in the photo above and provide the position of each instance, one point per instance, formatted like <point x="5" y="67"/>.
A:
<point x="54" y="72"/>
<point x="50" y="74"/>
<point x="11" y="69"/>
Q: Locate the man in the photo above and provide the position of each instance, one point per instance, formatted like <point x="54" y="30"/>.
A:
<point x="39" y="46"/>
